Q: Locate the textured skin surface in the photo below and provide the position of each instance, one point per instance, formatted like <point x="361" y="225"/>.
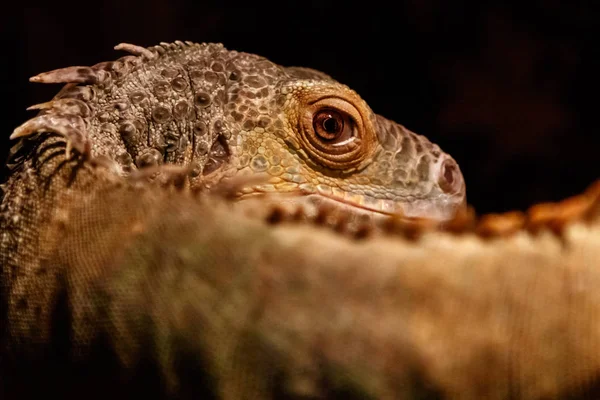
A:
<point x="117" y="284"/>
<point x="224" y="113"/>
<point x="211" y="304"/>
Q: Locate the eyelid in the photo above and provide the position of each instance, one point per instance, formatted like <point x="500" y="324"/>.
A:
<point x="345" y="142"/>
<point x="339" y="105"/>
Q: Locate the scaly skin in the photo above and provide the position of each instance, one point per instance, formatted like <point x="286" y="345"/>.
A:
<point x="115" y="283"/>
<point x="224" y="113"/>
<point x="218" y="114"/>
<point x="208" y="303"/>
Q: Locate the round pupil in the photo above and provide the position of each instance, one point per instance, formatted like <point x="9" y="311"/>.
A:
<point x="331" y="124"/>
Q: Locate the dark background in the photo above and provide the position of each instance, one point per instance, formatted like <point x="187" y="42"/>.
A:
<point x="508" y="88"/>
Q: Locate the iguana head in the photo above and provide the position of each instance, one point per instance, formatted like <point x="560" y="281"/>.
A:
<point x="314" y="136"/>
<point x="225" y="114"/>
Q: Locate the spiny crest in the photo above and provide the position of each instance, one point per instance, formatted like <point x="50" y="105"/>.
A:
<point x="67" y="114"/>
<point x="553" y="217"/>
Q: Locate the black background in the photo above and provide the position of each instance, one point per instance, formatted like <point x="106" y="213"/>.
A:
<point x="508" y="88"/>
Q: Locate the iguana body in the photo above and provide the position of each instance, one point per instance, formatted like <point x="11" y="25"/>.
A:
<point x="117" y="284"/>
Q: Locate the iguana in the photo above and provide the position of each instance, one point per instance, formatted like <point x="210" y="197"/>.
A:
<point x="166" y="233"/>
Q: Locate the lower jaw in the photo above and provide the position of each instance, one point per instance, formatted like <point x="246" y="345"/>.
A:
<point x="311" y="207"/>
<point x="353" y="207"/>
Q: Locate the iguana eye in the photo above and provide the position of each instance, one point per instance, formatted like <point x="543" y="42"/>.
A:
<point x="335" y="132"/>
<point x="333" y="126"/>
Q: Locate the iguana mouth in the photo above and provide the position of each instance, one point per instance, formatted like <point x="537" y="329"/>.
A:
<point x="376" y="206"/>
<point x="405" y="209"/>
<point x="361" y="205"/>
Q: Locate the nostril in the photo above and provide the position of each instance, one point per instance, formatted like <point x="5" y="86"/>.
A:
<point x="449" y="178"/>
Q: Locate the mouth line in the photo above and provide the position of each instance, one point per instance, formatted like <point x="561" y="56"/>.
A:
<point x="441" y="210"/>
<point x="352" y="204"/>
<point x="341" y="202"/>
